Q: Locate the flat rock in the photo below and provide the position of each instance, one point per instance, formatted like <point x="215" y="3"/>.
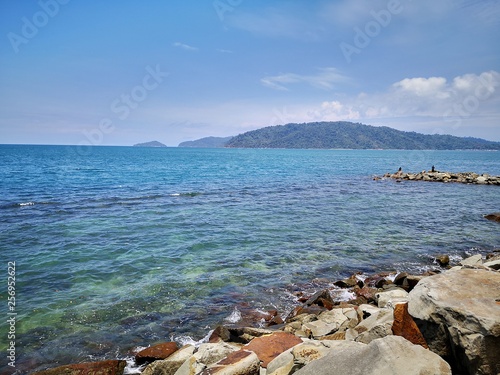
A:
<point x="269" y="347"/>
<point x="241" y="362"/>
<point x="391" y="297"/>
<point x="110" y="367"/>
<point x="391" y="355"/>
<point x="458" y="313"/>
<point x="160" y="351"/>
<point x="475" y="260"/>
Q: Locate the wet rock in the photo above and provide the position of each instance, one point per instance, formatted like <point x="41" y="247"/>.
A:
<point x="405" y="326"/>
<point x="367" y="293"/>
<point x="269" y="347"/>
<point x="443" y="260"/>
<point x="160" y="351"/>
<point x="110" y="367"/>
<point x="391" y="355"/>
<point x="170" y="365"/>
<point x="494" y="216"/>
<point x="459" y="316"/>
<point x="322" y="298"/>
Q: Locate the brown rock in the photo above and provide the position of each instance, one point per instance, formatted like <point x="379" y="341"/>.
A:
<point x="367" y="292"/>
<point x="405" y="326"/>
<point x="220" y="333"/>
<point x="269" y="347"/>
<point x="495" y="216"/>
<point x="321" y="298"/>
<point x="160" y="351"/>
<point x="110" y="367"/>
<point x="443" y="260"/>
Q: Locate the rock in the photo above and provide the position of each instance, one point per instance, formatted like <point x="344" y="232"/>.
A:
<point x="322" y="298"/>
<point x="494" y="216"/>
<point x="405" y="326"/>
<point x="110" y="367"/>
<point x="391" y="355"/>
<point x="328" y="322"/>
<point x="299" y="356"/>
<point x="459" y="315"/>
<point x="241" y="362"/>
<point x="475" y="260"/>
<point x="160" y="351"/>
<point x="269" y="347"/>
<point x="209" y="353"/>
<point x="366" y="292"/>
<point x="443" y="260"/>
<point x="391" y="297"/>
<point x="377" y="325"/>
<point x="170" y="365"/>
<point x="494" y="264"/>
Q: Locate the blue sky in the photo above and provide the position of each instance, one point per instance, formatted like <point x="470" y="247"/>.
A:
<point x="123" y="72"/>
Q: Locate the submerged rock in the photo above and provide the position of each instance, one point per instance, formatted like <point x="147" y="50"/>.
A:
<point x="494" y="216"/>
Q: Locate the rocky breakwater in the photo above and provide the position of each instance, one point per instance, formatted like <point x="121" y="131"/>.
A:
<point x="442" y="322"/>
<point x="436" y="176"/>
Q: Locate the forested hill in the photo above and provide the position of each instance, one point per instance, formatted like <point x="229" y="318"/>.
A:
<point x="350" y="135"/>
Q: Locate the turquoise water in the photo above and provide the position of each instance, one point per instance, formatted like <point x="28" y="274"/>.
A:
<point x="120" y="247"/>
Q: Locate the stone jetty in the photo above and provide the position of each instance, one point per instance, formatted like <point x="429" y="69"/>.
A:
<point x="446" y="321"/>
<point x="436" y="176"/>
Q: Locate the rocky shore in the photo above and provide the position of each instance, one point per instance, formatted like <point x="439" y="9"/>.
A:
<point x="437" y="176"/>
<point x="443" y="322"/>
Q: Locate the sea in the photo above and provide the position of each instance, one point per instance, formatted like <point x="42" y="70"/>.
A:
<point x="118" y="248"/>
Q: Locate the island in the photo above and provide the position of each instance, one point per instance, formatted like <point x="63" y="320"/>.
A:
<point x="150" y="144"/>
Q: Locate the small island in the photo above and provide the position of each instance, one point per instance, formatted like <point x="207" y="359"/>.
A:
<point x="150" y="144"/>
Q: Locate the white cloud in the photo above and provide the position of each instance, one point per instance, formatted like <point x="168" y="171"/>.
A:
<point x="325" y="79"/>
<point x="423" y="87"/>
<point x="458" y="106"/>
<point x="185" y="46"/>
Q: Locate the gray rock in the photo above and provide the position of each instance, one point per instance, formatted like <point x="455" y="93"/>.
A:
<point x="458" y="313"/>
<point x="391" y="297"/>
<point x="391" y="355"/>
<point x="377" y="325"/>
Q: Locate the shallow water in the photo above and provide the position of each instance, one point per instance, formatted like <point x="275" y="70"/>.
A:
<point x="124" y="247"/>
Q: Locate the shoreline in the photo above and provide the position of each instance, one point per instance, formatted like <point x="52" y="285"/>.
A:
<point x="305" y="320"/>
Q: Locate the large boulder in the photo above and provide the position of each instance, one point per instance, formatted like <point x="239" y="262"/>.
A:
<point x="391" y="355"/>
<point x="110" y="367"/>
<point x="458" y="313"/>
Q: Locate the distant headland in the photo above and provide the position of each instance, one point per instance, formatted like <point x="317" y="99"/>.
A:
<point x="343" y="135"/>
<point x="150" y="144"/>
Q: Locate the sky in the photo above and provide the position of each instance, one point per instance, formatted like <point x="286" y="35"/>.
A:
<point x="94" y="72"/>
